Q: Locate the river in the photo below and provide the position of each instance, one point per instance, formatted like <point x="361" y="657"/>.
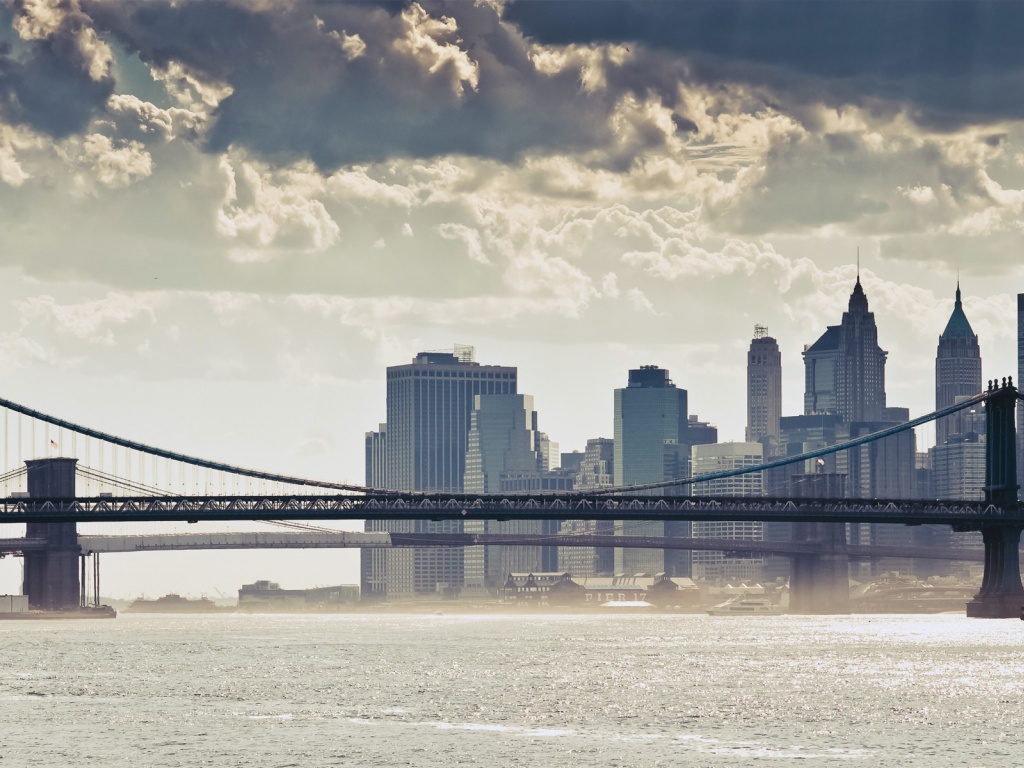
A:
<point x="511" y="690"/>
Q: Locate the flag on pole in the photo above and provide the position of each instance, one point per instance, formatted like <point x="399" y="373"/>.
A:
<point x="53" y="444"/>
<point x="821" y="462"/>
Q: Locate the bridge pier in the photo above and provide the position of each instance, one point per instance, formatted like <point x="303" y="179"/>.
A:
<point x="820" y="583"/>
<point x="1001" y="595"/>
<point x="51" y="575"/>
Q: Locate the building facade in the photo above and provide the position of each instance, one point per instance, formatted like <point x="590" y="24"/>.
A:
<point x="844" y="370"/>
<point x="957" y="370"/>
<point x="595" y="471"/>
<point x="429" y="407"/>
<point x="504" y="455"/>
<point x="722" y="457"/>
<point x="764" y="390"/>
<point x="650" y="414"/>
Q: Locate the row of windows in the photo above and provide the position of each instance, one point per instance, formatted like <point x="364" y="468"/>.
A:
<point x="448" y="374"/>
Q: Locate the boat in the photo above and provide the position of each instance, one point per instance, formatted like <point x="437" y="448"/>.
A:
<point x="177" y="604"/>
<point x="746" y="605"/>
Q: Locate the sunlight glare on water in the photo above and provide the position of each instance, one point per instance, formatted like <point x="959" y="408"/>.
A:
<point x="512" y="690"/>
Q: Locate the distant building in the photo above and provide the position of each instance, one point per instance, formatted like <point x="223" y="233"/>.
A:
<point x="429" y="406"/>
<point x="764" y="390"/>
<point x="267" y="596"/>
<point x="595" y="471"/>
<point x="957" y="370"/>
<point x="650" y="413"/>
<point x="377" y="457"/>
<point x="844" y="370"/>
<point x="722" y="457"/>
<point x="571" y="461"/>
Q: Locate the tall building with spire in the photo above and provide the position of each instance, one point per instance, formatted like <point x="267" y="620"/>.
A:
<point x="844" y="370"/>
<point x="957" y="370"/>
<point x="764" y="390"/>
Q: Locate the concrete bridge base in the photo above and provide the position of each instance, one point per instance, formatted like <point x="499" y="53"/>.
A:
<point x="820" y="583"/>
<point x="1001" y="595"/>
<point x="51" y="575"/>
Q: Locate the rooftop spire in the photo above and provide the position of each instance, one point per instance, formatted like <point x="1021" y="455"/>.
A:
<point x="958" y="327"/>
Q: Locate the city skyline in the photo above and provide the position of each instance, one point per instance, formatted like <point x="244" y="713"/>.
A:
<point x="223" y="221"/>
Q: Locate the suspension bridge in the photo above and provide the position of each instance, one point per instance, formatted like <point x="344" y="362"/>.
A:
<point x="107" y="478"/>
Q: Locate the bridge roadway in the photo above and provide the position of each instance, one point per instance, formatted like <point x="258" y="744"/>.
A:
<point x="100" y="544"/>
<point x="963" y="515"/>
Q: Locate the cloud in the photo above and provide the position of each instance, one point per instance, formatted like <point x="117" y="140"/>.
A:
<point x="953" y="63"/>
<point x="366" y="81"/>
<point x="271" y="212"/>
<point x="56" y="75"/>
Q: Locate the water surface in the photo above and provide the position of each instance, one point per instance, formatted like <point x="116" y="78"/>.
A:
<point x="362" y="690"/>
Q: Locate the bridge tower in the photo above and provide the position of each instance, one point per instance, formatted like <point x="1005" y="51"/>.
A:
<point x="51" y="575"/>
<point x="1001" y="595"/>
<point x="819" y="583"/>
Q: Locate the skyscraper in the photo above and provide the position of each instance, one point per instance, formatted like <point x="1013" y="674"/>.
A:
<point x="957" y="370"/>
<point x="844" y="370"/>
<point x="650" y="414"/>
<point x="764" y="390"/>
<point x="429" y="405"/>
<point x="503" y="439"/>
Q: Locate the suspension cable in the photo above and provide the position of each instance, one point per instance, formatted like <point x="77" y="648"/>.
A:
<point x="184" y="458"/>
<point x="980" y="398"/>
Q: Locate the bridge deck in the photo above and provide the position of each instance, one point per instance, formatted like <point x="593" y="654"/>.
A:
<point x="965" y="515"/>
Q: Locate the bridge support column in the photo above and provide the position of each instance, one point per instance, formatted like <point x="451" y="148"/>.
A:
<point x="820" y="583"/>
<point x="51" y="575"/>
<point x="1001" y="595"/>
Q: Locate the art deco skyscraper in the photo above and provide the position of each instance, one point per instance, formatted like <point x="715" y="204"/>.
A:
<point x="957" y="370"/>
<point x="764" y="390"/>
<point x="844" y="370"/>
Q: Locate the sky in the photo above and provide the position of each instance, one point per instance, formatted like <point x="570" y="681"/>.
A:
<point x="221" y="221"/>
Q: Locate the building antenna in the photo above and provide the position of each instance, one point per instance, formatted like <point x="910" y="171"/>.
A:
<point x="858" y="263"/>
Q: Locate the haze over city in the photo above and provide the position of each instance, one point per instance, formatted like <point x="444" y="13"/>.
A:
<point x="223" y="221"/>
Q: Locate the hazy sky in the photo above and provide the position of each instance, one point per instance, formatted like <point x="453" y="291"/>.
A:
<point x="222" y="220"/>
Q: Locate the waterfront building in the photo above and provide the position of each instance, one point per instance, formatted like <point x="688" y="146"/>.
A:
<point x="722" y="457"/>
<point x="957" y="370"/>
<point x="429" y="406"/>
<point x="764" y="390"/>
<point x="650" y="413"/>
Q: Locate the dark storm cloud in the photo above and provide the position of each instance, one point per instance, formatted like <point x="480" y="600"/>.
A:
<point x="295" y="93"/>
<point x="951" y="62"/>
<point x="46" y="84"/>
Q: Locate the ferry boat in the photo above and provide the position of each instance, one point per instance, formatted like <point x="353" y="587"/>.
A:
<point x="746" y="606"/>
<point x="177" y="604"/>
